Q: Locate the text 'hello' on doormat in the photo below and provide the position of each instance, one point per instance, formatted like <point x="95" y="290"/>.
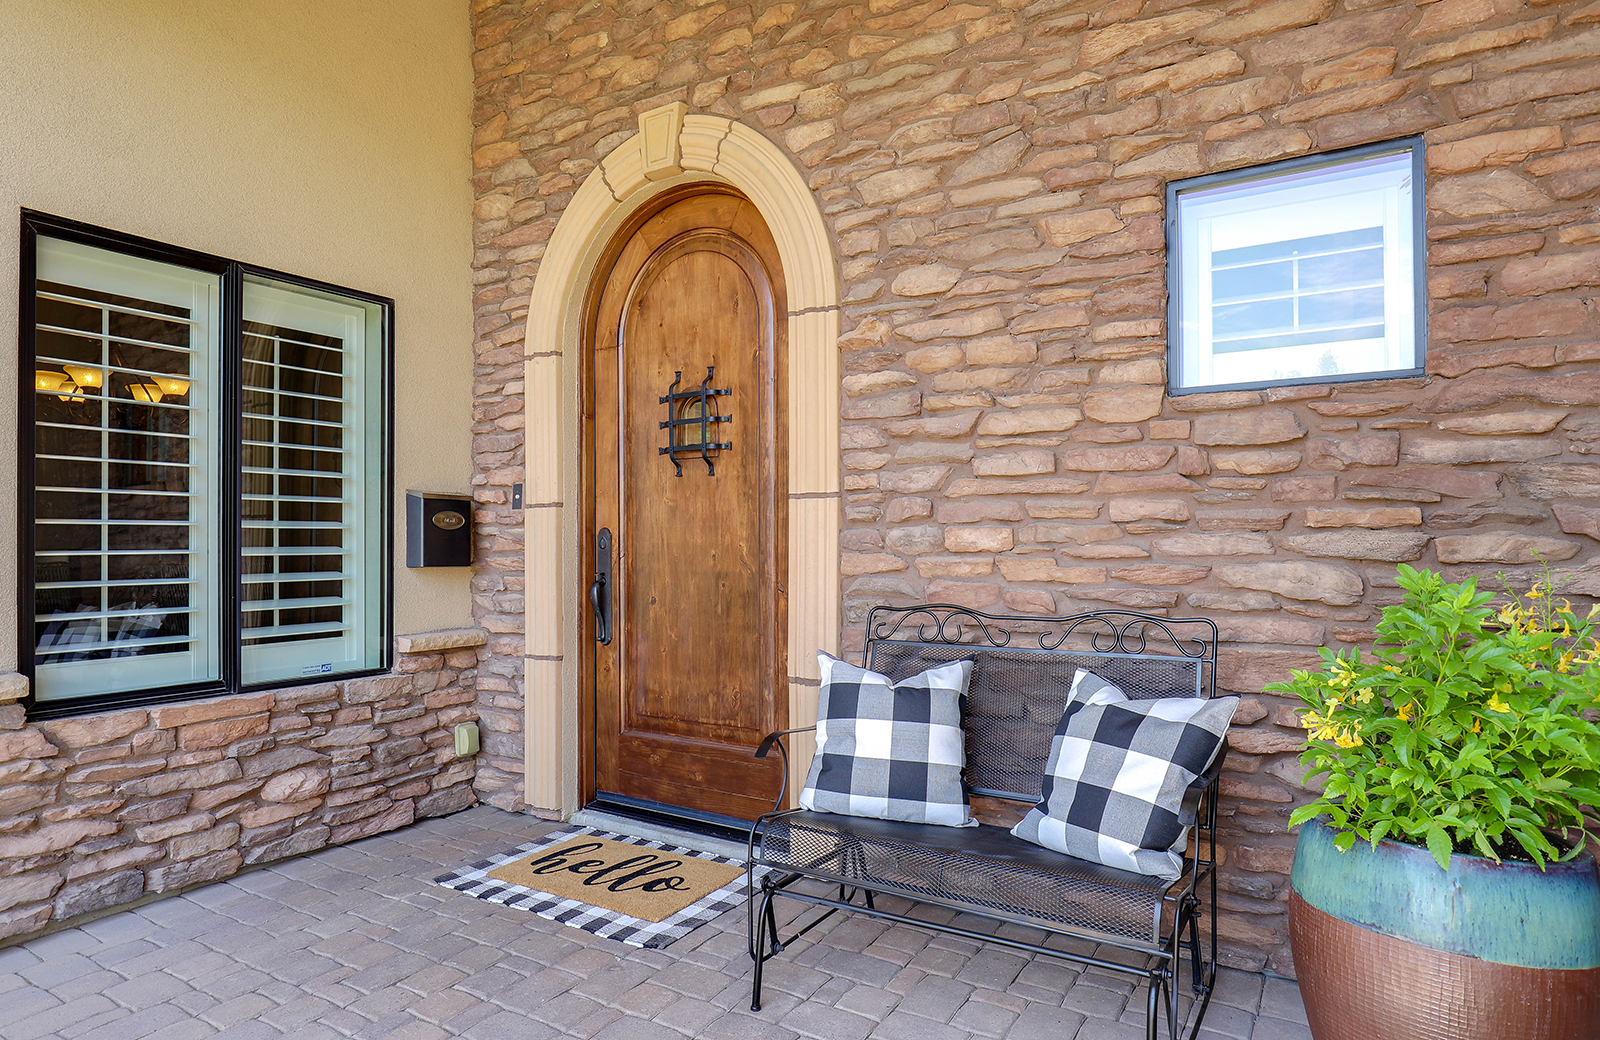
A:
<point x="637" y="891"/>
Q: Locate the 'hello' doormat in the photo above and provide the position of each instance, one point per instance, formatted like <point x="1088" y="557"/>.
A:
<point x="641" y="892"/>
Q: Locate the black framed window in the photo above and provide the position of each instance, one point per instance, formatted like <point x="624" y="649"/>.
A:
<point x="208" y="506"/>
<point x="1303" y="271"/>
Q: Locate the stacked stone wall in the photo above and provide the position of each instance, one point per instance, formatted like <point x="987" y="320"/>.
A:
<point x="502" y="284"/>
<point x="993" y="174"/>
<point x="101" y="810"/>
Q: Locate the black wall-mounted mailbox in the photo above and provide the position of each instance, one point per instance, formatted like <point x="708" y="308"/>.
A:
<point x="438" y="530"/>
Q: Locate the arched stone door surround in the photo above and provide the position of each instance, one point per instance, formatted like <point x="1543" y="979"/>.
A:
<point x="672" y="148"/>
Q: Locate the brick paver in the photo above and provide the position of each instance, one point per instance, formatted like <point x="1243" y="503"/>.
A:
<point x="356" y="943"/>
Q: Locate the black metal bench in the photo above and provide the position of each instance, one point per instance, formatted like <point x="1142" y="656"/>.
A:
<point x="1022" y="673"/>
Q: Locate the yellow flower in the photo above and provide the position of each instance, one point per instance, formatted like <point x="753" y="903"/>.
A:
<point x="1495" y="704"/>
<point x="1364" y="695"/>
<point x="1319" y="726"/>
<point x="1535" y="592"/>
<point x="1477" y="725"/>
<point x="1406" y="710"/>
<point x="1347" y="739"/>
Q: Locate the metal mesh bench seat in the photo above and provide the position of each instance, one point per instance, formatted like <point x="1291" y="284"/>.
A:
<point x="981" y="869"/>
<point x="1022" y="674"/>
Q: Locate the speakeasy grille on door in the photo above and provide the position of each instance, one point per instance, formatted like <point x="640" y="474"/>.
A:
<point x="691" y="419"/>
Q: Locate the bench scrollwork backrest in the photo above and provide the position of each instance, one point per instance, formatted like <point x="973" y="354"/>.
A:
<point x="1023" y="669"/>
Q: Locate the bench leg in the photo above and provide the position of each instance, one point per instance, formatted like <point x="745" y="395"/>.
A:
<point x="759" y="926"/>
<point x="1170" y="987"/>
<point x="1204" y="973"/>
<point x="1163" y="996"/>
<point x="1200" y="982"/>
<point x="750" y="928"/>
<point x="1152" y="1005"/>
<point x="848" y="895"/>
<point x="1205" y="969"/>
<point x="766" y="925"/>
<point x="772" y="924"/>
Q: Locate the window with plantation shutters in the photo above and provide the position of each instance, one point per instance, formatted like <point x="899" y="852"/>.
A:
<point x="126" y="579"/>
<point x="209" y="483"/>
<point x="304" y="499"/>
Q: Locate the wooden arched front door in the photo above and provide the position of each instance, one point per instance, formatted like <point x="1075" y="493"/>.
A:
<point x="691" y="515"/>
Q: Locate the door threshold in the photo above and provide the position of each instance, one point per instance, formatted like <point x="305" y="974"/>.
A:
<point x="691" y="828"/>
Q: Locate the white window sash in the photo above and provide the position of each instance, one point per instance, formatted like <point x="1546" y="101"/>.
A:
<point x="323" y="648"/>
<point x="196" y="657"/>
<point x="1373" y="191"/>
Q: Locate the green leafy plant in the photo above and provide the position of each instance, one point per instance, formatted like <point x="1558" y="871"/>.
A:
<point x="1466" y="729"/>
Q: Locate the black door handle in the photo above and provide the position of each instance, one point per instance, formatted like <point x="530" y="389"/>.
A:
<point x="600" y="591"/>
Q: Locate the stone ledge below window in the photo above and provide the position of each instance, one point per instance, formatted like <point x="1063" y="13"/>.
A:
<point x="13" y="687"/>
<point x="424" y="642"/>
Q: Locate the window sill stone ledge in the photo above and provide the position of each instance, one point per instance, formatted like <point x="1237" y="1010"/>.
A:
<point x="13" y="687"/>
<point x="423" y="642"/>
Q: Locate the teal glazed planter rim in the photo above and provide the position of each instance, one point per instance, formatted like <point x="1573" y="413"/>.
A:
<point x="1506" y="913"/>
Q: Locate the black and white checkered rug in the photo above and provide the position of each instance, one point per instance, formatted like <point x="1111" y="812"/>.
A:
<point x="610" y="924"/>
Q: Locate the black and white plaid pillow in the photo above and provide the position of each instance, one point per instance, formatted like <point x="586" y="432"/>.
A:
<point x="892" y="751"/>
<point x="1117" y="773"/>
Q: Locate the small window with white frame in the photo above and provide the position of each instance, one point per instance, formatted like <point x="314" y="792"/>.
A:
<point x="1304" y="271"/>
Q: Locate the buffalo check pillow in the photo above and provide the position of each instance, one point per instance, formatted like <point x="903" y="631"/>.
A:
<point x="1117" y="772"/>
<point x="890" y="750"/>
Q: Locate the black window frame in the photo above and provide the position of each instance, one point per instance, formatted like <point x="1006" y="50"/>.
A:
<point x="1416" y="147"/>
<point x="228" y="517"/>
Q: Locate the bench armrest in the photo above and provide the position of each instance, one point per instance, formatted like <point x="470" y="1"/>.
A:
<point x="773" y="738"/>
<point x="766" y="745"/>
<point x="1189" y="811"/>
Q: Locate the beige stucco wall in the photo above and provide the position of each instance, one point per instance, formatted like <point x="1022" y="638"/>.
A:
<point x="329" y="140"/>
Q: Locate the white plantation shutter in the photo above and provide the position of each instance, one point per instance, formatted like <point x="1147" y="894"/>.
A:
<point x="126" y="472"/>
<point x="308" y="493"/>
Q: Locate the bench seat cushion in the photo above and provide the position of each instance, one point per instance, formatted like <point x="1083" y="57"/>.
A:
<point x="985" y="869"/>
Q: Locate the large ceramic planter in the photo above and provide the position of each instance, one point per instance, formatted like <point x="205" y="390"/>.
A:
<point x="1389" y="947"/>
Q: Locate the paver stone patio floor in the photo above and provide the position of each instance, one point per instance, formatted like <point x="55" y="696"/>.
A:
<point x="356" y="941"/>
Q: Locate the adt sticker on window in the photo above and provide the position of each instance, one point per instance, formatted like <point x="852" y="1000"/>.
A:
<point x="318" y="669"/>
